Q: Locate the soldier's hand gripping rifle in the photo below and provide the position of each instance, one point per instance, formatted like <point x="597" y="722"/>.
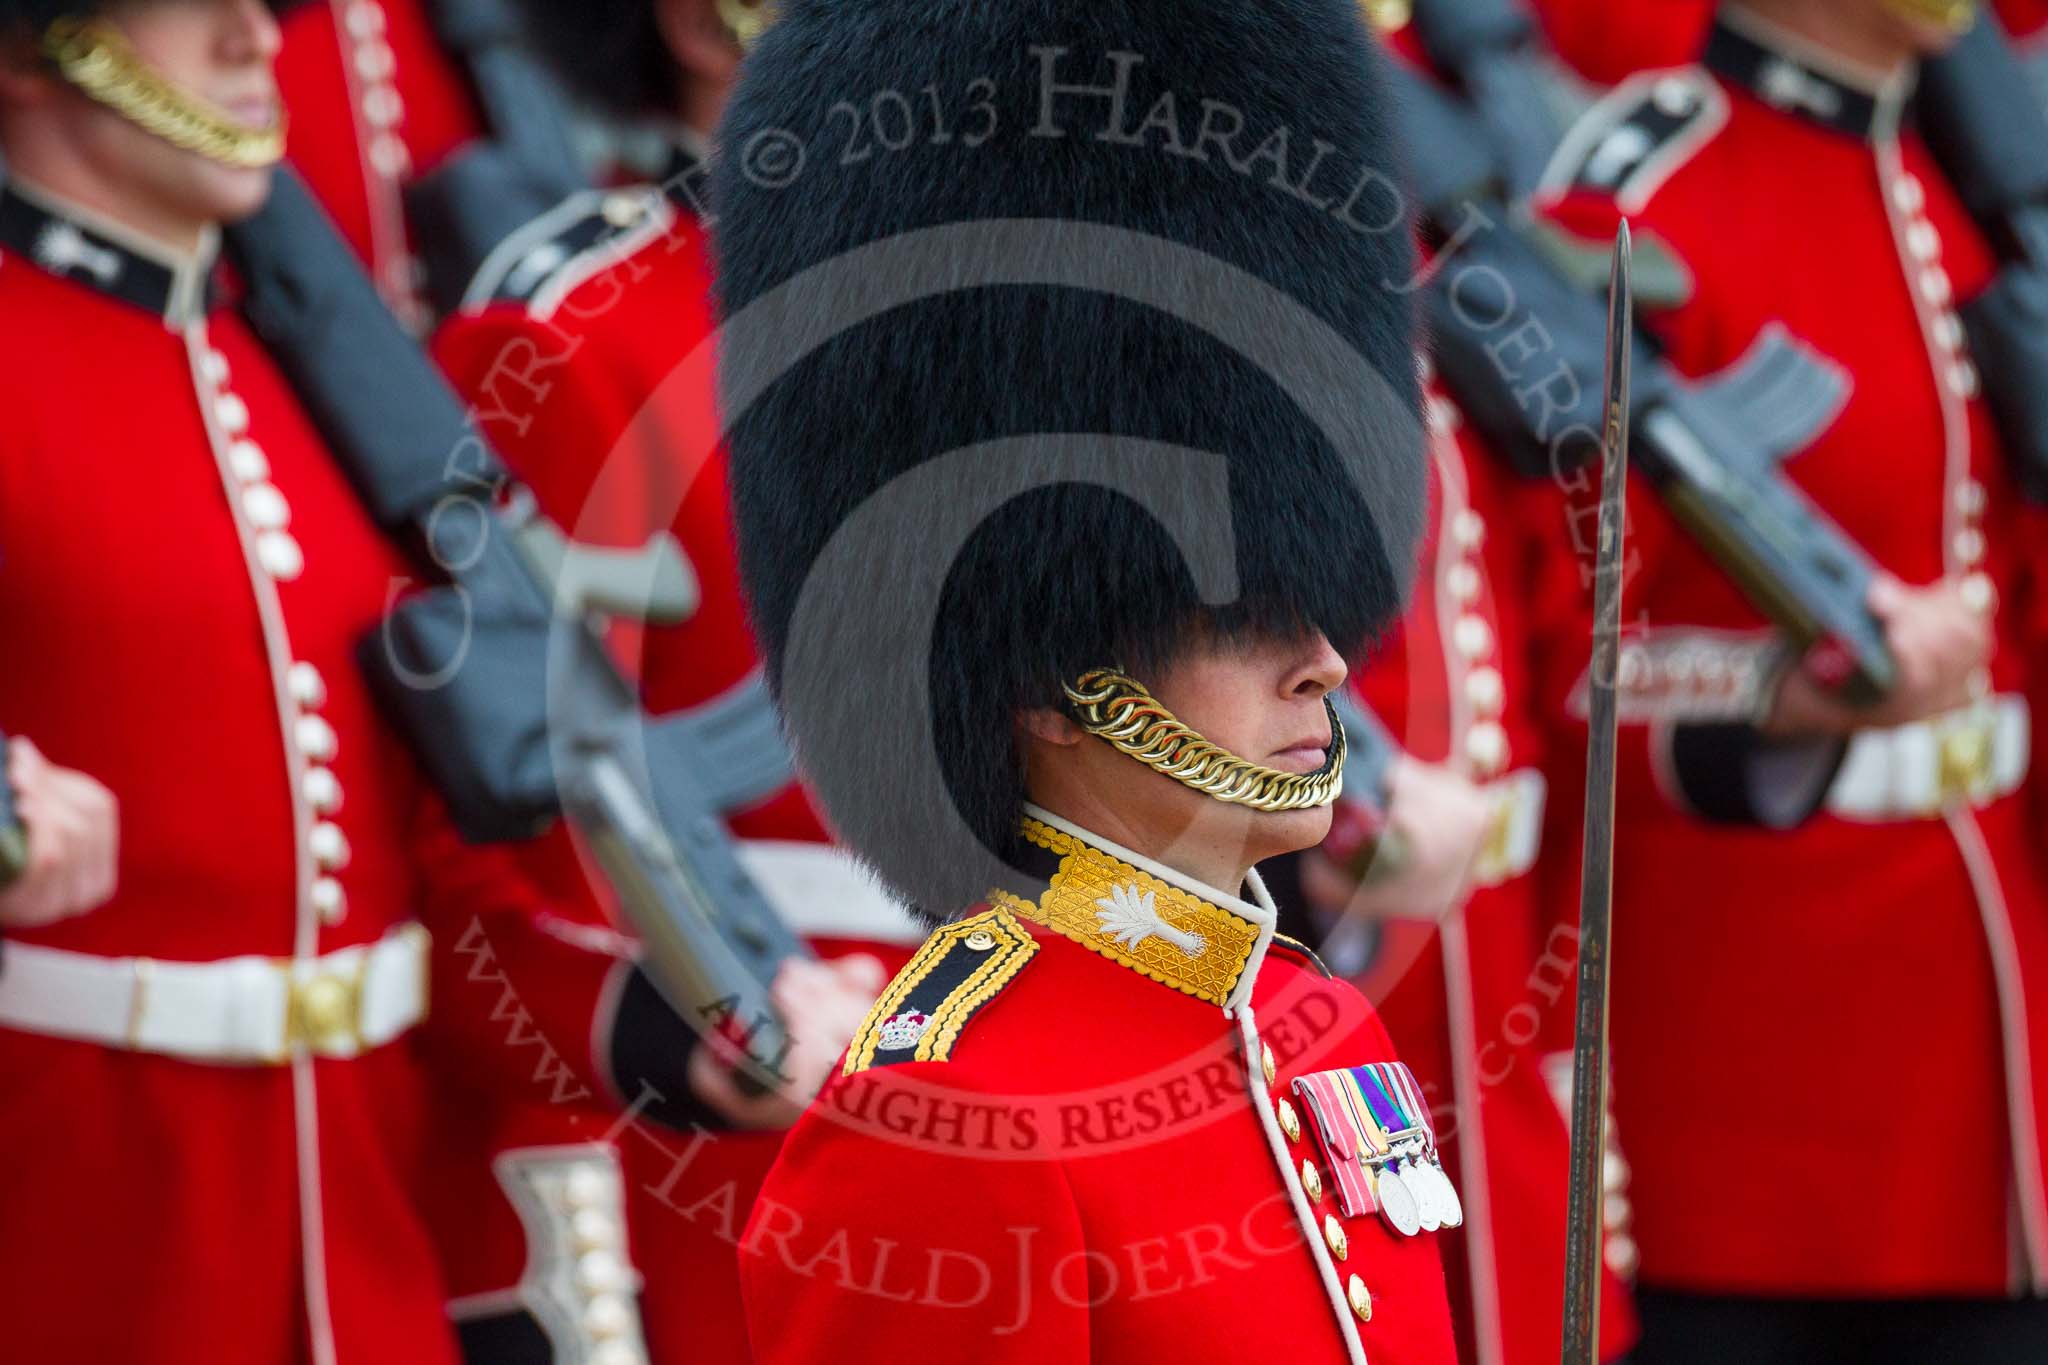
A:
<point x="13" y="837"/>
<point x="1984" y="123"/>
<point x="1710" y="449"/>
<point x="509" y="698"/>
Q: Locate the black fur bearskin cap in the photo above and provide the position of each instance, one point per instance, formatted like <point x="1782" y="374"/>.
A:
<point x="610" y="53"/>
<point x="33" y="16"/>
<point x="1023" y="378"/>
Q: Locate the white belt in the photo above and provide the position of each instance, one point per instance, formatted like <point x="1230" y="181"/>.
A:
<point x="1969" y="757"/>
<point x="234" y="1010"/>
<point x="822" y="891"/>
<point x="1515" y="833"/>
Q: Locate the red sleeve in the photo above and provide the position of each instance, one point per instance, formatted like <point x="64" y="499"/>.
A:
<point x="867" y="1245"/>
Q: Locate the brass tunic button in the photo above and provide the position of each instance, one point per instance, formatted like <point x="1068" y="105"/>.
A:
<point x="1289" y="1123"/>
<point x="1979" y="595"/>
<point x="981" y="940"/>
<point x="622" y="210"/>
<point x="1311" y="1180"/>
<point x="322" y="790"/>
<point x="591" y="1230"/>
<point x="1266" y="1062"/>
<point x="1333" y="1233"/>
<point x="330" y="900"/>
<point x="280" y="555"/>
<point x="1361" y="1299"/>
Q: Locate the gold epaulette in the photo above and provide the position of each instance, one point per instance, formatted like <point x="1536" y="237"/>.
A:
<point x="960" y="968"/>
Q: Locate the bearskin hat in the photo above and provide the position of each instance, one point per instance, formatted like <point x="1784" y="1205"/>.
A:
<point x="609" y="53"/>
<point x="33" y="16"/>
<point x="1051" y="332"/>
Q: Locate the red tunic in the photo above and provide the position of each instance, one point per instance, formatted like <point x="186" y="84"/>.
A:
<point x="201" y="666"/>
<point x="1088" y="1149"/>
<point x="373" y="101"/>
<point x="585" y="351"/>
<point x="1474" y="1002"/>
<point x="1797" y="1013"/>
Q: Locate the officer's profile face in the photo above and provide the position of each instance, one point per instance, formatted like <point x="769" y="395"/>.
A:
<point x="219" y="50"/>
<point x="1260" y="698"/>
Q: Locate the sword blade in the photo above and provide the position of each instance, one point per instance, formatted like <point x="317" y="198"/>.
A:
<point x="1596" y="889"/>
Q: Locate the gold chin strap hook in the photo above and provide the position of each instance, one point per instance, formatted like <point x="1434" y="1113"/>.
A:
<point x="95" y="57"/>
<point x="748" y="19"/>
<point x="1115" y="707"/>
<point x="1388" y="16"/>
<point x="1957" y="14"/>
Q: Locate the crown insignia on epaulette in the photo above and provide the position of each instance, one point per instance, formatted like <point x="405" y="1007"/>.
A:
<point x="903" y="1030"/>
<point x="959" y="970"/>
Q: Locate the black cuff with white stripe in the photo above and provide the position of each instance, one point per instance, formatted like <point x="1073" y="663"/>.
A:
<point x="1731" y="773"/>
<point x="651" y="1046"/>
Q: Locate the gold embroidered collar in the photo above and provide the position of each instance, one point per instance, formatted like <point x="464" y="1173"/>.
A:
<point x="1132" y="910"/>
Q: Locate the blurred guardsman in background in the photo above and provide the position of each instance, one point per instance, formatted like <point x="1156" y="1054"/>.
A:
<point x="1831" y="957"/>
<point x="1065" y="461"/>
<point x="374" y="101"/>
<point x="584" y="346"/>
<point x="429" y="131"/>
<point x="211" y="1051"/>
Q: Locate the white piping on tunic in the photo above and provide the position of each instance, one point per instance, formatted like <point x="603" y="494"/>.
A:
<point x="306" y="928"/>
<point x="1484" y="1270"/>
<point x="1312" y="1233"/>
<point x="389" y="248"/>
<point x="2030" y="1190"/>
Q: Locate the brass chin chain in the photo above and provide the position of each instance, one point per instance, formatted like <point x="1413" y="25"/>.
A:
<point x="1957" y="14"/>
<point x="748" y="19"/>
<point x="94" y="56"/>
<point x="1116" y="707"/>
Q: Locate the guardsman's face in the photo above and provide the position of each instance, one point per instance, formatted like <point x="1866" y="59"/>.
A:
<point x="1262" y="699"/>
<point x="220" y="50"/>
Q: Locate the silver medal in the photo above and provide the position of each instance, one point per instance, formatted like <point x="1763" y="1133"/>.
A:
<point x="1425" y="1195"/>
<point x="1451" y="1207"/>
<point x="1397" y="1202"/>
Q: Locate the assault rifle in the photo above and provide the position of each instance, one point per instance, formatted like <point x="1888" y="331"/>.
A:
<point x="1983" y="120"/>
<point x="497" y="677"/>
<point x="1498" y="295"/>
